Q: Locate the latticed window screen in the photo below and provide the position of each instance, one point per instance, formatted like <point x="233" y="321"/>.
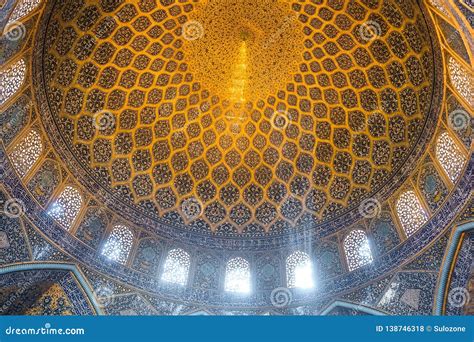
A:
<point x="410" y="212"/>
<point x="237" y="276"/>
<point x="22" y="9"/>
<point x="11" y="79"/>
<point x="66" y="207"/>
<point x="449" y="156"/>
<point x="176" y="268"/>
<point x="357" y="249"/>
<point x="118" y="244"/>
<point x="27" y="152"/>
<point x="462" y="80"/>
<point x="299" y="270"/>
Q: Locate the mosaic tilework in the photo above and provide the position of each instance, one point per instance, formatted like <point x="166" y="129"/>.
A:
<point x="22" y="39"/>
<point x="93" y="226"/>
<point x="229" y="172"/>
<point x="52" y="302"/>
<point x="42" y="292"/>
<point x="384" y="233"/>
<point x="268" y="270"/>
<point x="409" y="294"/>
<point x="454" y="39"/>
<point x="209" y="292"/>
<point x="6" y="10"/>
<point x="326" y="286"/>
<point x="41" y="249"/>
<point x="45" y="181"/>
<point x="461" y="273"/>
<point x="368" y="295"/>
<point x="129" y="305"/>
<point x="432" y="186"/>
<point x="167" y="307"/>
<point x="13" y="245"/>
<point x="342" y="311"/>
<point x="328" y="259"/>
<point x="431" y="259"/>
<point x="208" y="271"/>
<point x="148" y="255"/>
<point x="100" y="283"/>
<point x="15" y="118"/>
<point x="466" y="9"/>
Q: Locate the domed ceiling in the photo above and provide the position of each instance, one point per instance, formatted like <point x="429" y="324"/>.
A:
<point x="158" y="147"/>
<point x="229" y="116"/>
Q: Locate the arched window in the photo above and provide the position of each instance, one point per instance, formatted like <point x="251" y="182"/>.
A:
<point x="27" y="152"/>
<point x="118" y="245"/>
<point x="410" y="212"/>
<point x="449" y="156"/>
<point x="237" y="276"/>
<point x="299" y="270"/>
<point x="357" y="249"/>
<point x="23" y="8"/>
<point x="462" y="80"/>
<point x="176" y="267"/>
<point x="66" y="207"/>
<point x="11" y="80"/>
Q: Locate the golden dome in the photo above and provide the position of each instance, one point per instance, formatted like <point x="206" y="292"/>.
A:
<point x="240" y="112"/>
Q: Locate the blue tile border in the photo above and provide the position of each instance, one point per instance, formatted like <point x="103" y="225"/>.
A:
<point x="447" y="264"/>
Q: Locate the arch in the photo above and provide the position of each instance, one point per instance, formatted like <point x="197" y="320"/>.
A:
<point x="66" y="207"/>
<point x="449" y="156"/>
<point x="26" y="152"/>
<point x="358" y="307"/>
<point x="176" y="267"/>
<point x="22" y="9"/>
<point x="118" y="244"/>
<point x="11" y="79"/>
<point x="410" y="212"/>
<point x="237" y="276"/>
<point x="56" y="266"/>
<point x="299" y="270"/>
<point x="357" y="249"/>
<point x="446" y="267"/>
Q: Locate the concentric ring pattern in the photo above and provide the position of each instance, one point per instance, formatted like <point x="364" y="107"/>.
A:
<point x="240" y="113"/>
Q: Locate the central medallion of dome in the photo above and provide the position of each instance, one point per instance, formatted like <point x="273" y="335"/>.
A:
<point x="244" y="50"/>
<point x="239" y="115"/>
